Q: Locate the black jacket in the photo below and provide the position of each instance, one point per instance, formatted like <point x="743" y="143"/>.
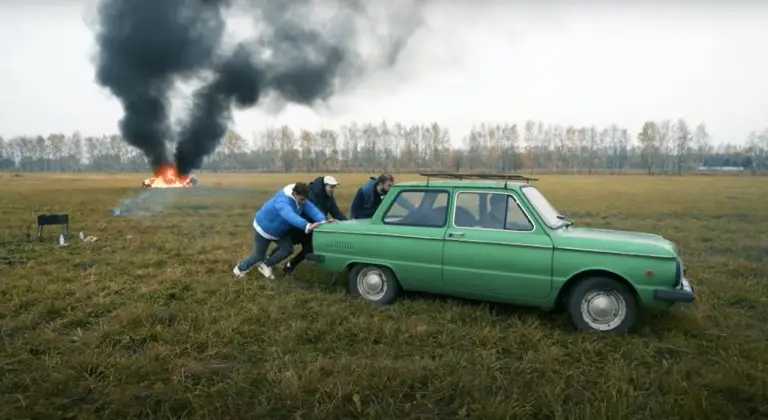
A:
<point x="326" y="203"/>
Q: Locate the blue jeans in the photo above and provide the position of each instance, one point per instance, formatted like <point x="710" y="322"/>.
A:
<point x="260" y="245"/>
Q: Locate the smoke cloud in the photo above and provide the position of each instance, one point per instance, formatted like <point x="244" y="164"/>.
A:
<point x="304" y="51"/>
<point x="144" y="45"/>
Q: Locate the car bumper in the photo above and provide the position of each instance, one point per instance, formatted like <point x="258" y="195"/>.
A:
<point x="318" y="258"/>
<point x="683" y="294"/>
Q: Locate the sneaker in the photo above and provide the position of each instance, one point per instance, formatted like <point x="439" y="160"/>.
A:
<point x="239" y="273"/>
<point x="288" y="269"/>
<point x="266" y="271"/>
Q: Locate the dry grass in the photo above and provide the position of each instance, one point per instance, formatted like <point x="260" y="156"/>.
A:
<point x="148" y="321"/>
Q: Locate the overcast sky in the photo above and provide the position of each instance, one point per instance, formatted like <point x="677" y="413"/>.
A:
<point x="579" y="64"/>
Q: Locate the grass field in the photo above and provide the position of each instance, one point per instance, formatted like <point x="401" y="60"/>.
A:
<point x="148" y="320"/>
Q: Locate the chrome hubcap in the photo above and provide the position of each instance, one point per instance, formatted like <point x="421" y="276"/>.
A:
<point x="371" y="284"/>
<point x="603" y="310"/>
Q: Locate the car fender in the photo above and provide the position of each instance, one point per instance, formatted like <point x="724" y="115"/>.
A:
<point x="348" y="266"/>
<point x="641" y="271"/>
<point x="581" y="274"/>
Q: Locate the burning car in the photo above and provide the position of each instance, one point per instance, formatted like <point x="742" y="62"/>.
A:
<point x="168" y="177"/>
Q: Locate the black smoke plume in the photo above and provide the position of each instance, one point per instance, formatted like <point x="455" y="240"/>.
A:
<point x="146" y="45"/>
<point x="237" y="80"/>
<point x="302" y="68"/>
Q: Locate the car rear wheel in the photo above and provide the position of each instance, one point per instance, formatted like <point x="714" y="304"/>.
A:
<point x="601" y="304"/>
<point x="373" y="283"/>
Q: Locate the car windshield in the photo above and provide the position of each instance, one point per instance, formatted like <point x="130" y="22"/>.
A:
<point x="542" y="206"/>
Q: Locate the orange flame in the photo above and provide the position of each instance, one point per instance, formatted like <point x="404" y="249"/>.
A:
<point x="167" y="176"/>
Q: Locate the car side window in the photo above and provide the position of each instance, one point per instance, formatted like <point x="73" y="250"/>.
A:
<point x="490" y="211"/>
<point x="418" y="208"/>
<point x="516" y="217"/>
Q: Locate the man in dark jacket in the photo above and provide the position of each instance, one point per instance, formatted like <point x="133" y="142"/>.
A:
<point x="321" y="195"/>
<point x="369" y="196"/>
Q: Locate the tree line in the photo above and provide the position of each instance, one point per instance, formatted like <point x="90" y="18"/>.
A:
<point x="660" y="147"/>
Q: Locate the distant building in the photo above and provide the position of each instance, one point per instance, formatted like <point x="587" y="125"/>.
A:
<point x="721" y="168"/>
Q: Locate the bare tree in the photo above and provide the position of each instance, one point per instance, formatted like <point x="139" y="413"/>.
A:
<point x="594" y="142"/>
<point x="531" y="140"/>
<point x="682" y="144"/>
<point x="702" y="144"/>
<point x="650" y="149"/>
<point x="664" y="141"/>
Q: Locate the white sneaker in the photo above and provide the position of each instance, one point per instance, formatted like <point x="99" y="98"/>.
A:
<point x="239" y="273"/>
<point x="266" y="271"/>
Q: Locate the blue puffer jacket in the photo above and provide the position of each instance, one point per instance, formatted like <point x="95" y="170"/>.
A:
<point x="281" y="212"/>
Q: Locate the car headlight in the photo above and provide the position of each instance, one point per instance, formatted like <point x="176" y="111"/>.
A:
<point x="679" y="272"/>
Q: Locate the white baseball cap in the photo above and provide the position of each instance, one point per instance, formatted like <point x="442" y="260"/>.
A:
<point x="329" y="180"/>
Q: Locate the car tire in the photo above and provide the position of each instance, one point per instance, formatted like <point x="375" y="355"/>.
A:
<point x="373" y="283"/>
<point x="602" y="305"/>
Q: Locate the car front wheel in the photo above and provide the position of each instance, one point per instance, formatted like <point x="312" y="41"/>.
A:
<point x="373" y="283"/>
<point x="603" y="305"/>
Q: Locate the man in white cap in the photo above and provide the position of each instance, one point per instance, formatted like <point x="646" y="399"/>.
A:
<point x="321" y="194"/>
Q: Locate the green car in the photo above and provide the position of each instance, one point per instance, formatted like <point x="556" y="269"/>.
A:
<point x="496" y="238"/>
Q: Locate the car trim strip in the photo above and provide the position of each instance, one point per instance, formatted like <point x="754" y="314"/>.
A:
<point x="523" y="245"/>
<point x="394" y="235"/>
<point x="600" y="251"/>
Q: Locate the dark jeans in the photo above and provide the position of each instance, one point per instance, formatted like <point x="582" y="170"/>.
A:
<point x="299" y="237"/>
<point x="260" y="244"/>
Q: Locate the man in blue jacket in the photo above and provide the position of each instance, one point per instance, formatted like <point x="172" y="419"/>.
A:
<point x="369" y="196"/>
<point x="321" y="192"/>
<point x="272" y="223"/>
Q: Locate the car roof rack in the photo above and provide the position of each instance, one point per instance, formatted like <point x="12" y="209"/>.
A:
<point x="499" y="177"/>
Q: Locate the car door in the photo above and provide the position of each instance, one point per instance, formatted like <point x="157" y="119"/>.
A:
<point x="492" y="246"/>
<point x="412" y="229"/>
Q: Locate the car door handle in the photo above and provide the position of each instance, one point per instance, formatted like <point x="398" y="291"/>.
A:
<point x="455" y="235"/>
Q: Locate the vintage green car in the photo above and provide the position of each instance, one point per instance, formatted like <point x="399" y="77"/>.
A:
<point x="498" y="239"/>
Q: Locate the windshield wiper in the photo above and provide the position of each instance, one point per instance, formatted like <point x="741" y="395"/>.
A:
<point x="568" y="222"/>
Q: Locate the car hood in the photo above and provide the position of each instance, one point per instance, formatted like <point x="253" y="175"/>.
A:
<point x="614" y="241"/>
